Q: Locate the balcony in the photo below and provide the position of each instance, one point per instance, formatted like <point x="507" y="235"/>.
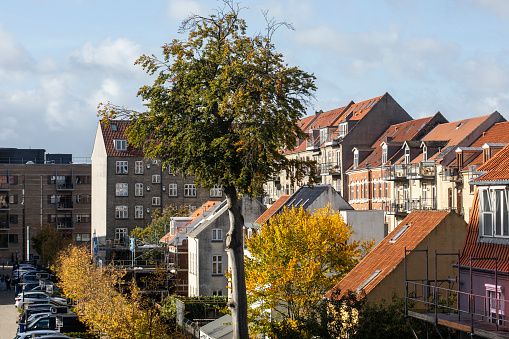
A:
<point x="396" y="207"/>
<point x="4" y="221"/>
<point x="450" y="175"/>
<point x="420" y="204"/>
<point x="313" y="143"/>
<point x="65" y="203"/>
<point x="394" y="173"/>
<point x="472" y="172"/>
<point x="62" y="186"/>
<point x="422" y="170"/>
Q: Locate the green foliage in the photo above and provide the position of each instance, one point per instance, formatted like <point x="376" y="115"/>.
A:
<point x="48" y="242"/>
<point x="223" y="106"/>
<point x="160" y="224"/>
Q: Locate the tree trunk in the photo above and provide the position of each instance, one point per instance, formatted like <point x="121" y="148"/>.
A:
<point x="235" y="247"/>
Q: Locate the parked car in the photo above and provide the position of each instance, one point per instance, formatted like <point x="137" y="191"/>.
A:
<point x="36" y="297"/>
<point x="68" y="322"/>
<point x="34" y="334"/>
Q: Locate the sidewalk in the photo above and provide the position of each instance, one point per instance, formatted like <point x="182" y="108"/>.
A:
<point x="8" y="312"/>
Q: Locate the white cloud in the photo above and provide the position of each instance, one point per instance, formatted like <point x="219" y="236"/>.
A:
<point x="14" y="56"/>
<point x="499" y="7"/>
<point x="181" y="9"/>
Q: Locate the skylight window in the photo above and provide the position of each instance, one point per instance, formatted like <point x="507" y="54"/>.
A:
<point x="460" y="124"/>
<point x="421" y="126"/>
<point x="114" y="127"/>
<point x="367" y="281"/>
<point x="400" y="232"/>
<point x="408" y="130"/>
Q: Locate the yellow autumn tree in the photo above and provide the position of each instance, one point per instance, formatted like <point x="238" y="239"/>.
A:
<point x="103" y="301"/>
<point x="296" y="258"/>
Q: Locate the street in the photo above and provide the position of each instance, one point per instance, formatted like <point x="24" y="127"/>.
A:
<point x="8" y="313"/>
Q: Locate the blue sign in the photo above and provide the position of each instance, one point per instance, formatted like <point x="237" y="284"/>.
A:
<point x="132" y="244"/>
<point x="94" y="245"/>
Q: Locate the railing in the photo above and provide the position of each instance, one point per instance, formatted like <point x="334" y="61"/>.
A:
<point x="420" y="170"/>
<point x="65" y="205"/>
<point x="313" y="143"/>
<point x="394" y="172"/>
<point x="472" y="172"/>
<point x="449" y="174"/>
<point x="462" y="305"/>
<point x="65" y="186"/>
<point x="421" y="204"/>
<point x="395" y="207"/>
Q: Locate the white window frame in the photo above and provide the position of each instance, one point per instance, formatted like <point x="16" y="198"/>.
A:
<point x="156" y="178"/>
<point x="138" y="189"/>
<point x="172" y="190"/>
<point x="80" y="217"/>
<point x="120" y="144"/>
<point x="121" y="212"/>
<point x="138" y="212"/>
<point x="494" y="212"/>
<point x="121" y="233"/>
<point x="216" y="191"/>
<point x="138" y="167"/>
<point x="217" y="234"/>
<point x="122" y="167"/>
<point x="217" y="265"/>
<point x="355" y="158"/>
<point x="492" y="308"/>
<point x="156" y="201"/>
<point x="189" y="190"/>
<point x="121" y="189"/>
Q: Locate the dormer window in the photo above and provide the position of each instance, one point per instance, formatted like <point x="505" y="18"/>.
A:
<point x="407" y="155"/>
<point x="384" y="154"/>
<point x="343" y="129"/>
<point x="120" y="144"/>
<point x="425" y="153"/>
<point x="114" y="127"/>
<point x="355" y="158"/>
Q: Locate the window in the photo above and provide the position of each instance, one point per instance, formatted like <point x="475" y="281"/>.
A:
<point x="425" y="153"/>
<point x="82" y="237"/>
<point x="138" y="212"/>
<point x="121" y="212"/>
<point x="82" y="218"/>
<point x="407" y="155"/>
<point x="217" y="265"/>
<point x="138" y="167"/>
<point x="13" y="199"/>
<point x="217" y="234"/>
<point x="424" y="193"/>
<point x="114" y="127"/>
<point x="356" y="159"/>
<point x="138" y="189"/>
<point x="367" y="281"/>
<point x="189" y="190"/>
<point x="4" y="240"/>
<point x="121" y="235"/>
<point x="156" y="201"/>
<point x="374" y="190"/>
<point x="380" y="189"/>
<point x="400" y="232"/>
<point x="343" y="129"/>
<point x="120" y="144"/>
<point x="156" y="161"/>
<point x="172" y="190"/>
<point x="83" y="199"/>
<point x="121" y="167"/>
<point x="386" y="188"/>
<point x="13" y="238"/>
<point x="217" y="292"/>
<point x="121" y="190"/>
<point x="493" y="212"/>
<point x="384" y="154"/>
<point x="494" y="303"/>
<point x="216" y="191"/>
<point x="156" y="179"/>
<point x="83" y="179"/>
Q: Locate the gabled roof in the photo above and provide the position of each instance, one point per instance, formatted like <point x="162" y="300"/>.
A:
<point x="199" y="226"/>
<point x="195" y="215"/>
<point x="390" y="252"/>
<point x="499" y="133"/>
<point x="497" y="169"/>
<point x="109" y="134"/>
<point x="272" y="209"/>
<point x="397" y="133"/>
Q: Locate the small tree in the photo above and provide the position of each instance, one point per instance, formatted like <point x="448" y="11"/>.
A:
<point x="160" y="224"/>
<point x="296" y="259"/>
<point x="222" y="108"/>
<point x="48" y="242"/>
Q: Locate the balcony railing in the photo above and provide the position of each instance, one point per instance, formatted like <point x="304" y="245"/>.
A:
<point x="420" y="204"/>
<point x="65" y="186"/>
<point x="395" y="207"/>
<point x="313" y="143"/>
<point x="450" y="175"/>
<point x="394" y="172"/>
<point x="62" y="205"/>
<point x="329" y="168"/>
<point x="420" y="170"/>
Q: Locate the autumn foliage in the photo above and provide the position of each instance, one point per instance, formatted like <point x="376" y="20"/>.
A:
<point x="103" y="301"/>
<point x="296" y="258"/>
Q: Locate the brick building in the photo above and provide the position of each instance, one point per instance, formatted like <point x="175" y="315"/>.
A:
<point x="38" y="189"/>
<point x="127" y="187"/>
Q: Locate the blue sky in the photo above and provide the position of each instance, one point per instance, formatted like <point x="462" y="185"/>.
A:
<point x="60" y="58"/>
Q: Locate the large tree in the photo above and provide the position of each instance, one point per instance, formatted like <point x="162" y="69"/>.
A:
<point x="296" y="259"/>
<point x="223" y="108"/>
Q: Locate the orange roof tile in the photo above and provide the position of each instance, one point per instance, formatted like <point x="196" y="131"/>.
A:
<point x="272" y="209"/>
<point x="387" y="254"/>
<point x="195" y="215"/>
<point x="497" y="168"/>
<point x="499" y="133"/>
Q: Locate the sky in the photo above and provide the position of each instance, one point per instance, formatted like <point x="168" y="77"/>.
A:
<point x="60" y="58"/>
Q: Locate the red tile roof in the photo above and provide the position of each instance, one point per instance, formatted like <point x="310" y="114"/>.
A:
<point x="497" y="168"/>
<point x="499" y="133"/>
<point x="195" y="215"/>
<point x="387" y="254"/>
<point x="109" y="135"/>
<point x="272" y="209"/>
